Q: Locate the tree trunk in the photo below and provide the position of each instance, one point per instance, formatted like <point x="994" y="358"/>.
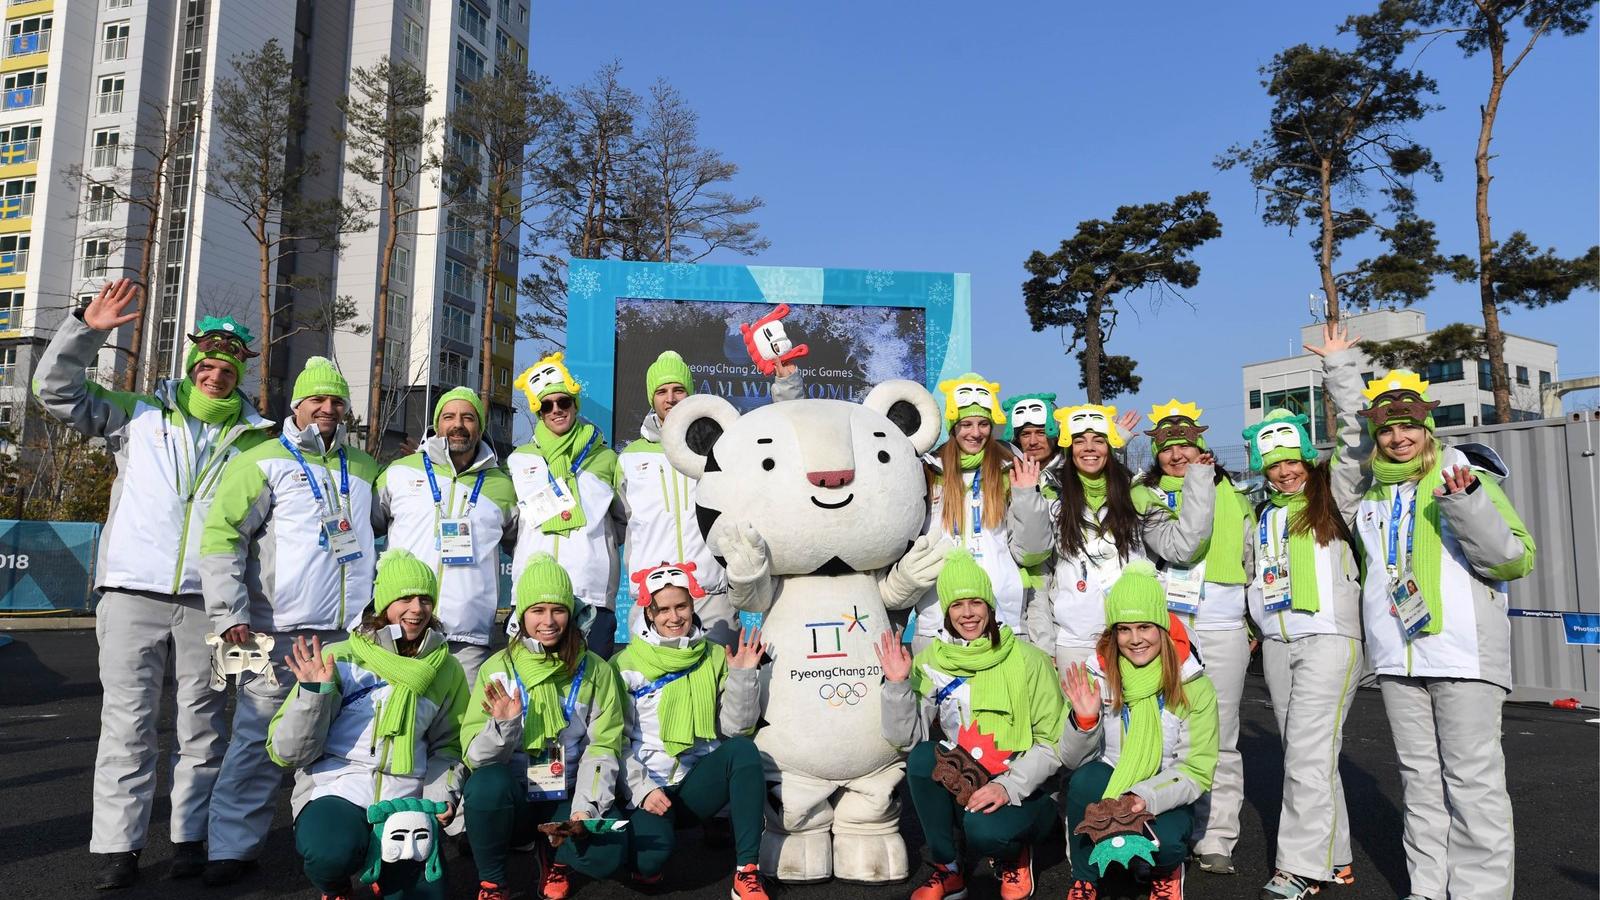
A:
<point x="376" y="425"/>
<point x="131" y="379"/>
<point x="263" y="400"/>
<point x="1092" y="346"/>
<point x="1330" y="288"/>
<point x="492" y="280"/>
<point x="1493" y="338"/>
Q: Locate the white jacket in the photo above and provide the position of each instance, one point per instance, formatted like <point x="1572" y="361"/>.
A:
<point x="1338" y="588"/>
<point x="589" y="554"/>
<point x="662" y="524"/>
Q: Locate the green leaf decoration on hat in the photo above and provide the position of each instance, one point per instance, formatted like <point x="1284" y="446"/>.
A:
<point x="1121" y="850"/>
<point x="1031" y="404"/>
<point x="227" y="324"/>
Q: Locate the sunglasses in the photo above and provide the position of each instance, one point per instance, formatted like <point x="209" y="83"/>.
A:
<point x="221" y="342"/>
<point x="546" y="407"/>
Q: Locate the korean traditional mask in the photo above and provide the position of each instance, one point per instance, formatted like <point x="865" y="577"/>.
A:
<point x="407" y="837"/>
<point x="254" y="656"/>
<point x="769" y="343"/>
<point x="546" y="376"/>
<point x="1088" y="417"/>
<point x="647" y="581"/>
<point x="404" y="830"/>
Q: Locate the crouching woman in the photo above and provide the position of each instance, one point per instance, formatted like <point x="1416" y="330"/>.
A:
<point x="372" y="729"/>
<point x="1141" y="727"/>
<point x="996" y="699"/>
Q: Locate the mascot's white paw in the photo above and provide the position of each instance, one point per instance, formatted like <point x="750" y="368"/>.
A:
<point x="745" y="552"/>
<point x="799" y="858"/>
<point x="870" y="858"/>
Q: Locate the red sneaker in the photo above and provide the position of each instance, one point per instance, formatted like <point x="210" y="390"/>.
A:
<point x="555" y="882"/>
<point x="1168" y="885"/>
<point x="488" y="890"/>
<point x="1344" y="876"/>
<point x="649" y="880"/>
<point x="1083" y="890"/>
<point x="1016" y="877"/>
<point x="943" y="884"/>
<point x="747" y="883"/>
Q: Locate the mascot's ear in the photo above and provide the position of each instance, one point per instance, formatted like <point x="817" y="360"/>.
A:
<point x="910" y="407"/>
<point x="692" y="429"/>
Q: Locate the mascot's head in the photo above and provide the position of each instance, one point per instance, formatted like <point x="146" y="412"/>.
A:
<point x="833" y="487"/>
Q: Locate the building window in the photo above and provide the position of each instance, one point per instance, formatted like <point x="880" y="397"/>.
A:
<point x="108" y="100"/>
<point x="452" y="368"/>
<point x="114" y="42"/>
<point x="119" y="4"/>
<point x="473" y="21"/>
<point x="8" y="365"/>
<point x="1544" y="378"/>
<point x="505" y="10"/>
<point x="399" y="313"/>
<point x="19" y="144"/>
<point x="25" y="89"/>
<point x="95" y="256"/>
<point x="471" y="64"/>
<point x="1522" y="375"/>
<point x="1304" y="401"/>
<point x="394" y="358"/>
<point x="1255" y="399"/>
<point x="414" y="5"/>
<point x="106" y="145"/>
<point x="16" y="198"/>
<point x="102" y="202"/>
<point x="14" y="254"/>
<point x="400" y="265"/>
<point x="456" y="324"/>
<point x="1454" y="414"/>
<point x="1449" y="370"/>
<point x="410" y="36"/>
<point x="10" y="310"/>
<point x="30" y="35"/>
<point x="458" y="279"/>
<point x="503" y="376"/>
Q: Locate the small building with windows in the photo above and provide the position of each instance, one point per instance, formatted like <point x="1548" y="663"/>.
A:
<point x="1464" y="388"/>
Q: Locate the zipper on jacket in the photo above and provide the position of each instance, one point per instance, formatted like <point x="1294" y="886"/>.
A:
<point x="224" y="442"/>
<point x="669" y="499"/>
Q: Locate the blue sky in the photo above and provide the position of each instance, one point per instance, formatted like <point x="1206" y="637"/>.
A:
<point x="934" y="136"/>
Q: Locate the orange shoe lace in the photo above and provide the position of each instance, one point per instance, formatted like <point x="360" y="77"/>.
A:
<point x="747" y="883"/>
<point x="941" y="883"/>
<point x="1016" y="877"/>
<point x="556" y="883"/>
<point x="1168" y="886"/>
<point x="488" y="890"/>
<point x="1083" y="890"/>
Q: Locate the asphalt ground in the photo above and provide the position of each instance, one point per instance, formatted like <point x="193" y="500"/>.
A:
<point x="49" y="720"/>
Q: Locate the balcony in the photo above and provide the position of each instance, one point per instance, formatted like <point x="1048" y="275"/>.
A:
<point x="16" y="153"/>
<point x="13" y="262"/>
<point x="24" y="44"/>
<point x="18" y="207"/>
<point x="108" y="103"/>
<point x="24" y="97"/>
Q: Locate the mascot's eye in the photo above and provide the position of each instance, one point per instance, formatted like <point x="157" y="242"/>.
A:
<point x="883" y="456"/>
<point x="768" y="464"/>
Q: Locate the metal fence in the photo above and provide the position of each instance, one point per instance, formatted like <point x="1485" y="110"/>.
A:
<point x="1555" y="612"/>
<point x="47" y="568"/>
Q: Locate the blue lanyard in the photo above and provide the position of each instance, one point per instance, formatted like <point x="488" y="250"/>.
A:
<point x="643" y="691"/>
<point x="438" y="498"/>
<point x="1172" y="500"/>
<point x="568" y="705"/>
<point x="576" y="464"/>
<point x="975" y="505"/>
<point x="945" y="692"/>
<point x="1283" y="548"/>
<point x="1394" y="531"/>
<point x="316" y="492"/>
<point x="1161" y="703"/>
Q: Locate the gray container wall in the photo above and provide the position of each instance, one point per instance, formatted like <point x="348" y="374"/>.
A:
<point x="1554" y="487"/>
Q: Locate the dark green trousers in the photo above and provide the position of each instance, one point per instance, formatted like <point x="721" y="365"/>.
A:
<point x="332" y="836"/>
<point x="500" y="816"/>
<point x="1086" y="786"/>
<point x="729" y="776"/>
<point x="1001" y="834"/>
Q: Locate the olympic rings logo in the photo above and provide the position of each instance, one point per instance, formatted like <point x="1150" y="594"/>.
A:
<point x="843" y="693"/>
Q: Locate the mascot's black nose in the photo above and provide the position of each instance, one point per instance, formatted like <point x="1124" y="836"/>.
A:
<point x="832" y="479"/>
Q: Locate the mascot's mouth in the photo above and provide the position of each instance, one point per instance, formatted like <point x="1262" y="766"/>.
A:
<point x="840" y="505"/>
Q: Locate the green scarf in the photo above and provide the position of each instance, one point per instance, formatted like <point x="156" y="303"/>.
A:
<point x="1427" y="548"/>
<point x="1224" y="556"/>
<point x="408" y="678"/>
<point x="970" y="461"/>
<point x="997" y="678"/>
<point x="209" y="410"/>
<point x="1141" y="739"/>
<point x="1303" y="595"/>
<point x="546" y="680"/>
<point x="688" y="709"/>
<point x="1094" y="490"/>
<point x="559" y="452"/>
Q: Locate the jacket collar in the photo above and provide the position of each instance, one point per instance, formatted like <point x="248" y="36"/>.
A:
<point x="437" y="449"/>
<point x="166" y="393"/>
<point x="310" y="440"/>
<point x="650" y="429"/>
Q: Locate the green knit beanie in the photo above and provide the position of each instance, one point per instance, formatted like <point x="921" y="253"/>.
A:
<point x="543" y="581"/>
<point x="961" y="578"/>
<point x="1137" y="596"/>
<point x="223" y="325"/>
<point x="1279" y="436"/>
<point x="669" y="368"/>
<point x="320" y="378"/>
<point x="460" y="393"/>
<point x="400" y="574"/>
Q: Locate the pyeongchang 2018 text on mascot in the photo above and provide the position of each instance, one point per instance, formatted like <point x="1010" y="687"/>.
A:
<point x="816" y="507"/>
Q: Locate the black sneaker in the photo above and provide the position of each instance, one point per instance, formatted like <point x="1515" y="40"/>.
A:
<point x="223" y="872"/>
<point x="188" y="859"/>
<point x="119" y="870"/>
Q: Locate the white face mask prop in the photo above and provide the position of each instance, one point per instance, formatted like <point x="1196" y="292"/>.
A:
<point x="1029" y="412"/>
<point x="235" y="660"/>
<point x="970" y="394"/>
<point x="407" y="837"/>
<point x="548" y="374"/>
<point x="1277" y="437"/>
<point x="768" y="342"/>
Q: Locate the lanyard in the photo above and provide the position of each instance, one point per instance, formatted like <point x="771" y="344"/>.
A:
<point x="316" y="492"/>
<point x="568" y="705"/>
<point x="1283" y="547"/>
<point x="1394" y="531"/>
<point x="576" y="464"/>
<point x="438" y="498"/>
<point x="1161" y="703"/>
<point x="643" y="691"/>
<point x="1172" y="500"/>
<point x="975" y="507"/>
<point x="945" y="692"/>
